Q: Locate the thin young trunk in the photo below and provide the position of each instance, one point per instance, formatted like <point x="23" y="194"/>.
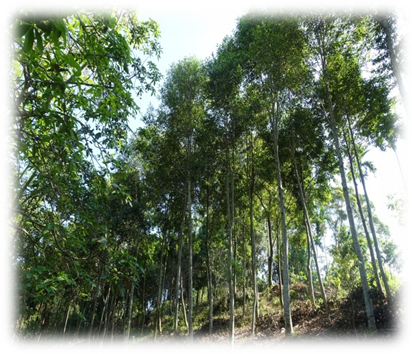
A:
<point x="106" y="310"/>
<point x="130" y="311"/>
<point x="230" y="249"/>
<point x="158" y="325"/>
<point x="310" y="241"/>
<point x="285" y="265"/>
<point x="208" y="266"/>
<point x="371" y="223"/>
<point x="270" y="262"/>
<point x="232" y="186"/>
<point x="131" y="295"/>
<point x="365" y="228"/>
<point x="189" y="206"/>
<point x="178" y="277"/>
<point x="309" y="267"/>
<point x="244" y="274"/>
<point x="252" y="235"/>
<point x="143" y="301"/>
<point x="279" y="265"/>
<point x="183" y="304"/>
<point x="44" y="323"/>
<point x="63" y="332"/>
<point x="364" y="280"/>
<point x="96" y="293"/>
<point x="113" y="312"/>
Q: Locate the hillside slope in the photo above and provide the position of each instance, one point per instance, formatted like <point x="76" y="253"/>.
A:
<point x="346" y="319"/>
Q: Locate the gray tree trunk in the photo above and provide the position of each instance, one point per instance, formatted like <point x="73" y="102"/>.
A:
<point x="285" y="243"/>
<point x="365" y="228"/>
<point x="310" y="241"/>
<point x="364" y="280"/>
<point x="230" y="253"/>
<point x="371" y="223"/>
<point x="252" y="235"/>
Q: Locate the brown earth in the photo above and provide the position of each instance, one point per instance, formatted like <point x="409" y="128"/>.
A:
<point x="342" y="327"/>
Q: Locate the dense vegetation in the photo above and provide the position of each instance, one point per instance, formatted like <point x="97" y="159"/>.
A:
<point x="217" y="212"/>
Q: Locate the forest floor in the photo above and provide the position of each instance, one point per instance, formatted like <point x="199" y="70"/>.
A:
<point x="344" y="320"/>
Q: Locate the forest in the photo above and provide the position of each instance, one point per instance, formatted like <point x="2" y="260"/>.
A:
<point x="237" y="211"/>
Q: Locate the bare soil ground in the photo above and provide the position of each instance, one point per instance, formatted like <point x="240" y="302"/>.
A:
<point x="343" y="326"/>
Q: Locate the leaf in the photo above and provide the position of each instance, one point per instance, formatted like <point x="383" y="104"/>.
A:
<point x="39" y="42"/>
<point x="70" y="59"/>
<point x="28" y="40"/>
<point x="20" y="31"/>
<point x="12" y="18"/>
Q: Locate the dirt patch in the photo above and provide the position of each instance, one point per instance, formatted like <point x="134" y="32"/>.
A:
<point x="345" y="319"/>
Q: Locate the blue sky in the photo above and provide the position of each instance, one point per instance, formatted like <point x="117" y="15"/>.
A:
<point x="191" y="27"/>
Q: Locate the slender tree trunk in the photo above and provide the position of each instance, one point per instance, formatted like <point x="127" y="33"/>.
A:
<point x="208" y="266"/>
<point x="130" y="311"/>
<point x="63" y="332"/>
<point x="234" y="236"/>
<point x="143" y="301"/>
<point x="252" y="235"/>
<point x="270" y="262"/>
<point x="114" y="312"/>
<point x="158" y="324"/>
<point x="178" y="277"/>
<point x="189" y="206"/>
<point x="309" y="267"/>
<point x="96" y="294"/>
<point x="370" y="217"/>
<point x="183" y="304"/>
<point x="131" y="296"/>
<point x="286" y="292"/>
<point x="309" y="235"/>
<point x="106" y="310"/>
<point x="365" y="228"/>
<point x="230" y="251"/>
<point x="364" y="280"/>
<point x="279" y="264"/>
<point x="244" y="273"/>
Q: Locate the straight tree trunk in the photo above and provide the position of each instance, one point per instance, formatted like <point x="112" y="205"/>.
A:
<point x="370" y="217"/>
<point x="113" y="312"/>
<point x="63" y="332"/>
<point x="279" y="264"/>
<point x="96" y="294"/>
<point x="178" y="277"/>
<point x="183" y="304"/>
<point x="252" y="235"/>
<point x="190" y="226"/>
<point x="270" y="262"/>
<point x="208" y="266"/>
<point x="365" y="228"/>
<point x="143" y="301"/>
<point x="131" y="295"/>
<point x="130" y="311"/>
<point x="158" y="324"/>
<point x="310" y="240"/>
<point x="364" y="280"/>
<point x="286" y="292"/>
<point x="230" y="253"/>
<point x="106" y="310"/>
